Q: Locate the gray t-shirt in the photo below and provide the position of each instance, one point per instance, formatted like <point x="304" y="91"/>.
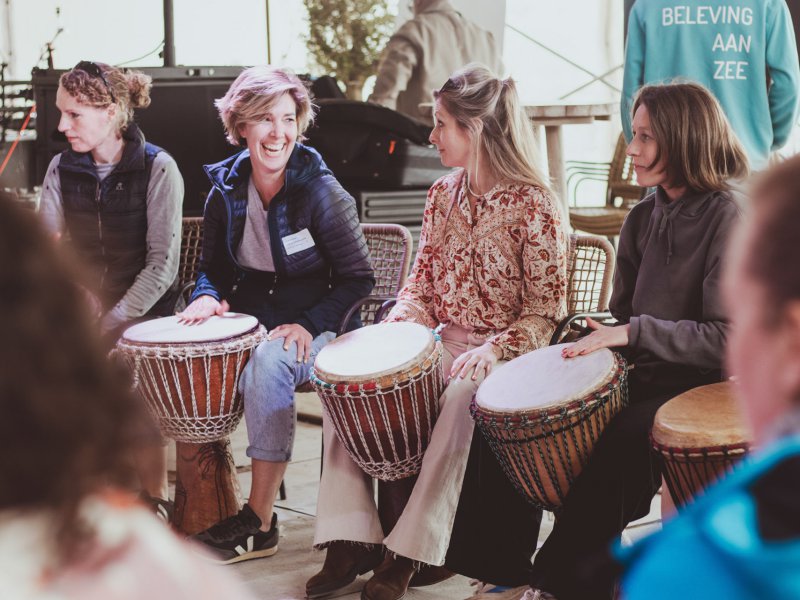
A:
<point x="164" y="213"/>
<point x="254" y="250"/>
<point x="104" y="170"/>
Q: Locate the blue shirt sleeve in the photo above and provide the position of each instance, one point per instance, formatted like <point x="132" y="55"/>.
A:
<point x="782" y="65"/>
<point x="633" y="77"/>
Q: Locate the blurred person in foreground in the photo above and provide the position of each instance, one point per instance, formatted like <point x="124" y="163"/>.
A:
<point x="742" y="538"/>
<point x="68" y="530"/>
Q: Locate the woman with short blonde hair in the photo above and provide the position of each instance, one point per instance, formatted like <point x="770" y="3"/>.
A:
<point x="282" y="242"/>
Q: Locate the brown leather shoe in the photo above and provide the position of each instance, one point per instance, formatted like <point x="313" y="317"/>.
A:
<point x="343" y="563"/>
<point x="391" y="581"/>
<point x="429" y="575"/>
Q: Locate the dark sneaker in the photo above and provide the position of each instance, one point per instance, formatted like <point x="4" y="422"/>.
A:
<point x="163" y="509"/>
<point x="239" y="538"/>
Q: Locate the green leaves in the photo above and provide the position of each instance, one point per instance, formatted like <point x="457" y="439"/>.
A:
<point x="346" y="37"/>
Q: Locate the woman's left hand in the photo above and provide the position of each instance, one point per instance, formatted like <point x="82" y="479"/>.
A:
<point x="602" y="337"/>
<point x="482" y="358"/>
<point x="292" y="332"/>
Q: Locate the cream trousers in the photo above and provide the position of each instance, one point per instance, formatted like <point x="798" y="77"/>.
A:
<point x="346" y="507"/>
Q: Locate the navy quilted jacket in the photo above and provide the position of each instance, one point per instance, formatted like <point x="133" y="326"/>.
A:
<point x="313" y="287"/>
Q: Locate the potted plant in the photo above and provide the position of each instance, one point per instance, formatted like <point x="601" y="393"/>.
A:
<point x="346" y="37"/>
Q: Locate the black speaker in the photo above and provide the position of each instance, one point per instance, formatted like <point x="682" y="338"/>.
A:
<point x="181" y="119"/>
<point x="371" y="147"/>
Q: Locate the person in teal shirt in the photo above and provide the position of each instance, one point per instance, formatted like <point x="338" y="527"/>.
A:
<point x="744" y="51"/>
<point x="742" y="538"/>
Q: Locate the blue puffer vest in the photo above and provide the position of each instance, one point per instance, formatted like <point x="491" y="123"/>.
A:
<point x="313" y="287"/>
<point x="107" y="222"/>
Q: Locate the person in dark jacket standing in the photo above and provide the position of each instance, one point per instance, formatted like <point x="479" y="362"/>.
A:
<point x="671" y="324"/>
<point x="117" y="196"/>
<point x="281" y="242"/>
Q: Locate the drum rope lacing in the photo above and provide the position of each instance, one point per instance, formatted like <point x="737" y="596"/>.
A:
<point x="360" y="413"/>
<point x="163" y="373"/>
<point x="688" y="471"/>
<point x="533" y="448"/>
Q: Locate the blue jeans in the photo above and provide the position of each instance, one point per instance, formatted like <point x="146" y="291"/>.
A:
<point x="267" y="386"/>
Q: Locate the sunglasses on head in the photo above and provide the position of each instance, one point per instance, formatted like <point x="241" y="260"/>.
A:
<point x="94" y="70"/>
<point x="448" y="85"/>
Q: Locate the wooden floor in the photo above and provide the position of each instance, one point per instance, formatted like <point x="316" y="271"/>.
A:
<point x="283" y="576"/>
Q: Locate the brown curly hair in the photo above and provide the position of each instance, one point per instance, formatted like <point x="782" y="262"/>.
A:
<point x="69" y="422"/>
<point x="127" y="89"/>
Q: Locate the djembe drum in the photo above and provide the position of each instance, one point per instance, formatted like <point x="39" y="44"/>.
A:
<point x="542" y="414"/>
<point x="380" y="387"/>
<point x="700" y="435"/>
<point x="189" y="378"/>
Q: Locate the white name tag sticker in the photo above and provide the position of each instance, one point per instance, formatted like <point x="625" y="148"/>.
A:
<point x="298" y="241"/>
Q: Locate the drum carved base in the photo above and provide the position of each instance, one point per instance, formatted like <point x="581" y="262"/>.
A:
<point x="207" y="488"/>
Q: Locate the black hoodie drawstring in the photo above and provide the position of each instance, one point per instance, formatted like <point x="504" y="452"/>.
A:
<point x="666" y="224"/>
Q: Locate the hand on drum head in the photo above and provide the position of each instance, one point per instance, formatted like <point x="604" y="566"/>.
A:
<point x="292" y="332"/>
<point x="602" y="337"/>
<point x="479" y="360"/>
<point x="201" y="309"/>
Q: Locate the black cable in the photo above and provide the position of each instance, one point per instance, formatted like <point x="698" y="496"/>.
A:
<point x="153" y="51"/>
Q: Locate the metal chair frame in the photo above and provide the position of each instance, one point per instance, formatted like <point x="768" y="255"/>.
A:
<point x="590" y="271"/>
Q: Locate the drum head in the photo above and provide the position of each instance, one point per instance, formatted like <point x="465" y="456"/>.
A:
<point x="542" y="379"/>
<point x="169" y="331"/>
<point x="704" y="417"/>
<point x="374" y="351"/>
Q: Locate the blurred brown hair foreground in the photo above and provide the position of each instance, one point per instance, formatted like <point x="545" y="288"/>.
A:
<point x="774" y="257"/>
<point x="68" y="422"/>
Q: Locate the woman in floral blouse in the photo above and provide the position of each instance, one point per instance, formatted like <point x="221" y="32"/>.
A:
<point x="491" y="268"/>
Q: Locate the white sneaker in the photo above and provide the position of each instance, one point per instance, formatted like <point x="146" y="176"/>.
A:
<point x="532" y="594"/>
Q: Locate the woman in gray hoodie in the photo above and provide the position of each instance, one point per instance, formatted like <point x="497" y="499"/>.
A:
<point x="671" y="325"/>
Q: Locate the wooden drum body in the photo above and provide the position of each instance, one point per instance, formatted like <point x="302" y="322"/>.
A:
<point x="542" y="414"/>
<point x="188" y="377"/>
<point x="700" y="435"/>
<point x="380" y="387"/>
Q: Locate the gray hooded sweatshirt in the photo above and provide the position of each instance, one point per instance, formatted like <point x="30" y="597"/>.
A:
<point x="667" y="284"/>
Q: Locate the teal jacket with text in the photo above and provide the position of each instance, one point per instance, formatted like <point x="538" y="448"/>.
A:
<point x="734" y="48"/>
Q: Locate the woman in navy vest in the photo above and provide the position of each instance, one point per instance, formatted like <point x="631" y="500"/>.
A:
<point x="282" y="242"/>
<point x="118" y="197"/>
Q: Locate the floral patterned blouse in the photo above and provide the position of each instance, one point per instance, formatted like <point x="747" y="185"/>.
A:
<point x="502" y="275"/>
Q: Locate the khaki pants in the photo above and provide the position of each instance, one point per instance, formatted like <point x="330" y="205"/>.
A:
<point x="346" y="507"/>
